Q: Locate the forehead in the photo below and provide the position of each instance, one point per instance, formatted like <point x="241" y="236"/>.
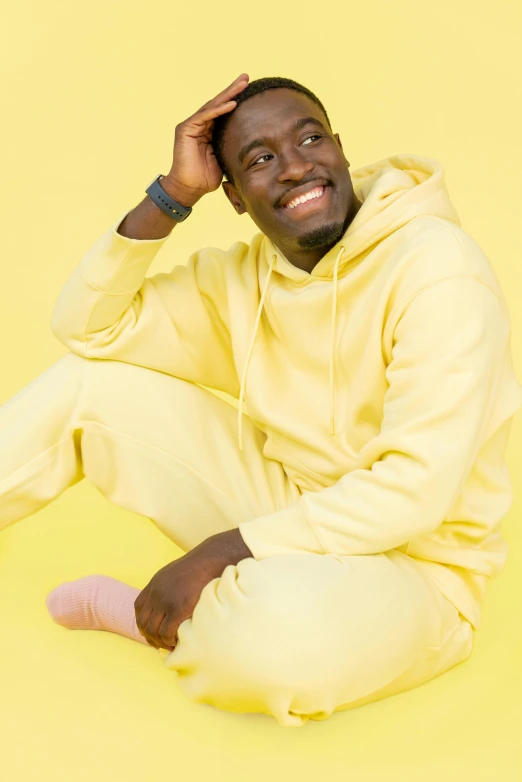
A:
<point x="271" y="115"/>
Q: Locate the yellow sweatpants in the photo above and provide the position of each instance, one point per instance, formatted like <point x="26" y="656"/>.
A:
<point x="294" y="636"/>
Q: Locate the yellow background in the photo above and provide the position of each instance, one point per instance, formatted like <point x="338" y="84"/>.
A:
<point x="91" y="94"/>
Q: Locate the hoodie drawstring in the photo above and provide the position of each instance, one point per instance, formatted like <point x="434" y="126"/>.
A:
<point x="243" y="381"/>
<point x="332" y="341"/>
<point x="249" y="353"/>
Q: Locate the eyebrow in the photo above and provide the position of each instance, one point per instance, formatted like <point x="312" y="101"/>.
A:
<point x="260" y="142"/>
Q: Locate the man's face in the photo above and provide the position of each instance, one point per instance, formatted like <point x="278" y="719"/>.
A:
<point x="291" y="161"/>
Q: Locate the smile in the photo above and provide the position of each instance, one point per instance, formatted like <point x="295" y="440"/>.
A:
<point x="309" y="202"/>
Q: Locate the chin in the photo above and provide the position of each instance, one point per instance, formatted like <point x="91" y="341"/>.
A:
<point x="325" y="235"/>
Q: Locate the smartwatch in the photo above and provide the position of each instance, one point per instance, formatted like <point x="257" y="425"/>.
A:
<point x="165" y="202"/>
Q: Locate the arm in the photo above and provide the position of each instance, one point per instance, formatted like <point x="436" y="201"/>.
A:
<point x="450" y="345"/>
<point x="174" y="323"/>
<point x="171" y="322"/>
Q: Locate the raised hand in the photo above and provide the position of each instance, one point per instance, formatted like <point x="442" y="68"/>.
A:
<point x="195" y="170"/>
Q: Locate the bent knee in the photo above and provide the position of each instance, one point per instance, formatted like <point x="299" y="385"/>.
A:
<point x="267" y="621"/>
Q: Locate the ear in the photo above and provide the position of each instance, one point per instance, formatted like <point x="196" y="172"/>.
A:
<point x="233" y="197"/>
<point x="338" y="139"/>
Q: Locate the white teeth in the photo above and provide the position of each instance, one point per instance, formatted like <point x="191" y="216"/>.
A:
<point x="307" y="197"/>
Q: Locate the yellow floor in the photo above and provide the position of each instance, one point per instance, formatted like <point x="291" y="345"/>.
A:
<point x="85" y="706"/>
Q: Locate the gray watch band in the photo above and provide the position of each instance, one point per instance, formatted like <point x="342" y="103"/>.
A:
<point x="166" y="203"/>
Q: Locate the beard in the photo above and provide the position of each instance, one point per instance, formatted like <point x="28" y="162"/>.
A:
<point x="325" y="236"/>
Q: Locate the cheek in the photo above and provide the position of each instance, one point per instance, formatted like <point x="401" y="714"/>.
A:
<point x="258" y="202"/>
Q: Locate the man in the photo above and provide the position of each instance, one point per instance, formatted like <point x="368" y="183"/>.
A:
<point x="339" y="549"/>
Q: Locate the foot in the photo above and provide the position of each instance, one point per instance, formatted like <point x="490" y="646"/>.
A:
<point x="96" y="602"/>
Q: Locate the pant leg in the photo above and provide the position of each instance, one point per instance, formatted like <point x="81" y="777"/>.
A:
<point x="301" y="636"/>
<point x="296" y="636"/>
<point x="151" y="443"/>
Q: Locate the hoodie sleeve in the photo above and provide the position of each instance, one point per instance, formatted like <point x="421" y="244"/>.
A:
<point x="175" y="323"/>
<point x="448" y="350"/>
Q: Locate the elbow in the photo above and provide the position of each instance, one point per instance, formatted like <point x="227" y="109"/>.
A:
<point x="60" y="327"/>
<point x="66" y="335"/>
<point x="56" y="326"/>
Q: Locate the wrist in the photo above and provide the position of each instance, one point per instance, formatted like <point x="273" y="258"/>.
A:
<point x="178" y="192"/>
<point x="229" y="548"/>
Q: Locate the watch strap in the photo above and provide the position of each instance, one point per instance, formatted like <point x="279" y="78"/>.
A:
<point x="165" y="202"/>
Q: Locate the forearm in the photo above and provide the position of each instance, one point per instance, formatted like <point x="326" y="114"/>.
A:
<point x="148" y="221"/>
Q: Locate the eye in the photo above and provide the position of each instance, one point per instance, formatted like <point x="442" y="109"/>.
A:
<point x="315" y="135"/>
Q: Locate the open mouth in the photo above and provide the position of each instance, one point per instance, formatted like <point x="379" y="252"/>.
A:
<point x="317" y="199"/>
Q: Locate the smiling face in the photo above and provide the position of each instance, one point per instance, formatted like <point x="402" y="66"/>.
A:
<point x="295" y="153"/>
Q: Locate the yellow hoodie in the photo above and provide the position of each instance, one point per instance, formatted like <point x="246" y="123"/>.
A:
<point x="383" y="379"/>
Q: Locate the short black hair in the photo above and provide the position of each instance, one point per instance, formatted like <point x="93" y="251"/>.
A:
<point x="254" y="88"/>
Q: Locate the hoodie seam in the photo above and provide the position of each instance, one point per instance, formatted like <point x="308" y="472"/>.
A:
<point x="438" y="282"/>
<point x="457" y="238"/>
<point x="461" y="246"/>
<point x="102" y="290"/>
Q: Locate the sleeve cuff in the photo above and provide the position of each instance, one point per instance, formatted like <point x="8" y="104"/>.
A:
<point x="117" y="264"/>
<point x="284" y="532"/>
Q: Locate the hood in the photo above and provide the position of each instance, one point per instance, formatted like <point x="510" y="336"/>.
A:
<point x="392" y="191"/>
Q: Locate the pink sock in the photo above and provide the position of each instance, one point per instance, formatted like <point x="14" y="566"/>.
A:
<point x="96" y="603"/>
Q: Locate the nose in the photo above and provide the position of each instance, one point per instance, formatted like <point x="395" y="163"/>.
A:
<point x="293" y="165"/>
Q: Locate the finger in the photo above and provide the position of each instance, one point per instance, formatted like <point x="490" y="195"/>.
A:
<point x="197" y="124"/>
<point x="233" y="89"/>
<point x="207" y="113"/>
<point x="143" y="616"/>
<point x="153" y="625"/>
<point x="140" y="601"/>
<point x="145" y="635"/>
<point x="167" y="632"/>
<point x="148" y="638"/>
